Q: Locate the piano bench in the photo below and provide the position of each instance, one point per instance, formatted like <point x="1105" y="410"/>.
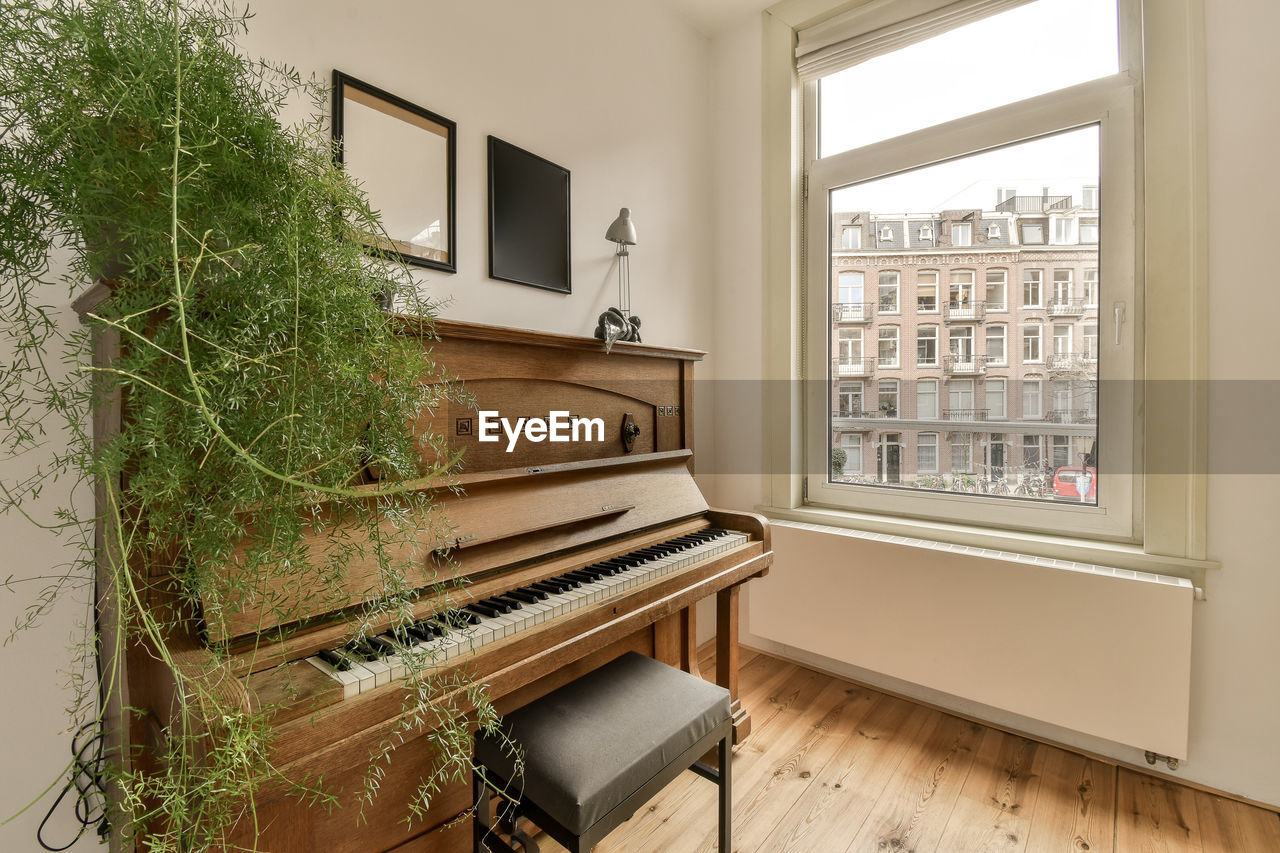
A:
<point x="600" y="747"/>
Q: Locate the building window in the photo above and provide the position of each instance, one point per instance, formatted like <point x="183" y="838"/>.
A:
<point x="995" y="399"/>
<point x="1061" y="340"/>
<point x="888" y="351"/>
<point x="1089" y="343"/>
<point x="1032" y="398"/>
<point x="888" y="293"/>
<point x="1062" y="231"/>
<point x="886" y="233"/>
<point x="997" y="290"/>
<point x="1089" y="198"/>
<point x="927" y="346"/>
<point x="927" y="292"/>
<point x="849" y="352"/>
<point x="1088" y="231"/>
<point x="1062" y="287"/>
<point x="996" y="354"/>
<point x="962" y="452"/>
<point x="851" y="444"/>
<point x="887" y="403"/>
<point x="927" y="453"/>
<point x="943" y="182"/>
<point x="1091" y="288"/>
<point x="1031" y="452"/>
<point x="1032" y="234"/>
<point x="1031" y="350"/>
<point x="850" y="399"/>
<point x="927" y="399"/>
<point x="1004" y="194"/>
<point x="1061" y="450"/>
<point x="851" y="237"/>
<point x="1032" y="288"/>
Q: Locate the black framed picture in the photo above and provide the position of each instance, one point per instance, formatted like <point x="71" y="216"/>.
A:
<point x="528" y="218"/>
<point x="405" y="159"/>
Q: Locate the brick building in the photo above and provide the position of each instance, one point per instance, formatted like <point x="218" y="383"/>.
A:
<point x="965" y="342"/>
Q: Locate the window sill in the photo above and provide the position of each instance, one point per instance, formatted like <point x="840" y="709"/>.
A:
<point x="936" y="533"/>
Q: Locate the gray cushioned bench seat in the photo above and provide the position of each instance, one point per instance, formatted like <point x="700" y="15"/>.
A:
<point x="596" y="741"/>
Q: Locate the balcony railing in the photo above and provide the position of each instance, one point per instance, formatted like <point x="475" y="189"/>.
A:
<point x="965" y="310"/>
<point x="1072" y="416"/>
<point x="965" y="365"/>
<point x="850" y="366"/>
<point x="1072" y="362"/>
<point x="852" y="312"/>
<point x="964" y="414"/>
<point x="1066" y="308"/>
<point x="856" y="413"/>
<point x="1034" y="203"/>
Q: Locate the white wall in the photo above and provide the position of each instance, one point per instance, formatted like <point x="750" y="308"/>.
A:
<point x="616" y="92"/>
<point x="1235" y="707"/>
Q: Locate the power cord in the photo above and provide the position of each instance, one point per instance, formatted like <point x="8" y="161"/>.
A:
<point x="87" y="781"/>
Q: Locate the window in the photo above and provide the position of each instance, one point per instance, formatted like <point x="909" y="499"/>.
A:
<point x="851" y="237"/>
<point x="1032" y="393"/>
<point x="1062" y="287"/>
<point x="1089" y="198"/>
<point x="960" y="400"/>
<point x="851" y="444"/>
<point x="948" y="173"/>
<point x="962" y="452"/>
<point x="962" y="345"/>
<point x="1031" y="288"/>
<point x="927" y="292"/>
<point x="1091" y="288"/>
<point x="995" y="345"/>
<point x="888" y="293"/>
<point x="850" y="399"/>
<point x="997" y="290"/>
<point x="927" y="399"/>
<point x="1089" y="342"/>
<point x="927" y="346"/>
<point x="849" y="352"/>
<point x="850" y="284"/>
<point x="1061" y="450"/>
<point x="888" y="400"/>
<point x="1060" y="400"/>
<point x="927" y="453"/>
<point x="888" y="346"/>
<point x="1031" y="452"/>
<point x="926" y="232"/>
<point x="1031" y="343"/>
<point x="995" y="399"/>
<point x="1061" y="340"/>
<point x="1088" y="230"/>
<point x="886" y="233"/>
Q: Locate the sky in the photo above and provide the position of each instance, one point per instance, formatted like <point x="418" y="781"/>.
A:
<point x="985" y="64"/>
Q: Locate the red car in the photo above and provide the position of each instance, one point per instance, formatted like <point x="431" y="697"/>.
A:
<point x="1070" y="480"/>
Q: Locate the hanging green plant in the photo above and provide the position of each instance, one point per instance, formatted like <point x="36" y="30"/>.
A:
<point x="259" y="381"/>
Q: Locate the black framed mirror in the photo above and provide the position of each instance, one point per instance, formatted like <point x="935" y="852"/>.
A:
<point x="405" y="158"/>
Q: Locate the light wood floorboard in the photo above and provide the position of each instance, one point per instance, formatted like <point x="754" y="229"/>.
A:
<point x="835" y="766"/>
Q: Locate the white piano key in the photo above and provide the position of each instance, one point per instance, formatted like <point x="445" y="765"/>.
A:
<point x="350" y="681"/>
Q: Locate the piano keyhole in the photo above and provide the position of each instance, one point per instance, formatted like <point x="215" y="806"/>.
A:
<point x="615" y="611"/>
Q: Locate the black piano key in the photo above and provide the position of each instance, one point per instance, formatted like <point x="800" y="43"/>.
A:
<point x="549" y="587"/>
<point x="384" y="643"/>
<point x="482" y="609"/>
<point x="580" y="576"/>
<point x="496" y="603"/>
<point x="528" y="595"/>
<point x="334" y="660"/>
<point x="509" y="600"/>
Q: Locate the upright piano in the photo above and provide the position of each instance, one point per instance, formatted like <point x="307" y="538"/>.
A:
<point x="569" y="553"/>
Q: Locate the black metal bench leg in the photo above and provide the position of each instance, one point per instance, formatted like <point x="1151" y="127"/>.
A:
<point x="726" y="794"/>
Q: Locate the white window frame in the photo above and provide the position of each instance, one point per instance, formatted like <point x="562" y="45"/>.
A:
<point x="960" y="395"/>
<point x="886" y="233"/>
<point x="1002" y="281"/>
<point x="1088" y="233"/>
<point x="933" y="412"/>
<point x="1028" y="353"/>
<point x="993" y="232"/>
<point x="1025" y="231"/>
<point x="1064" y="286"/>
<point x="853" y="457"/>
<point x="926" y="440"/>
<point x="1033" y="278"/>
<point x="1089" y="197"/>
<point x="962" y="235"/>
<point x="961" y="442"/>
<point x="896" y="339"/>
<point x="1089" y="282"/>
<point x="995" y="389"/>
<point x="894" y="285"/>
<point x="926" y="232"/>
<point x="1062" y="342"/>
<point x="920" y="336"/>
<point x="894" y="411"/>
<point x="1170" y="522"/>
<point x="851" y="238"/>
<point x="861" y="287"/>
<point x="1032" y="389"/>
<point x="1062" y="231"/>
<point x="853" y="393"/>
<point x="1004" y="344"/>
<point x="920" y="282"/>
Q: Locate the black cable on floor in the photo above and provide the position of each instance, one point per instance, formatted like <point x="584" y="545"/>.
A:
<point x="87" y="781"/>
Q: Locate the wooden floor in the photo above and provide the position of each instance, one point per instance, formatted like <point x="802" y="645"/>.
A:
<point x="831" y="766"/>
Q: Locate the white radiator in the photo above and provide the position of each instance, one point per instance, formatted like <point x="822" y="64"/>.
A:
<point x="1102" y="651"/>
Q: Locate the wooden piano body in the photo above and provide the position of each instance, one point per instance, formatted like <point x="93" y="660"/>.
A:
<point x="541" y="509"/>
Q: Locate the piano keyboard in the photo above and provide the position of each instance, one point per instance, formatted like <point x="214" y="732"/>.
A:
<point x="370" y="662"/>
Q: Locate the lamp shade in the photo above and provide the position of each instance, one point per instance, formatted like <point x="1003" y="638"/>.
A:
<point x="623" y="230"/>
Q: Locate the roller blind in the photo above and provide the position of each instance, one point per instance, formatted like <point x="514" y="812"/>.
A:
<point x="882" y="26"/>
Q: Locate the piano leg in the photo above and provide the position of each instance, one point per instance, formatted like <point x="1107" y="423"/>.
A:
<point x="675" y="641"/>
<point x="727" y="659"/>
